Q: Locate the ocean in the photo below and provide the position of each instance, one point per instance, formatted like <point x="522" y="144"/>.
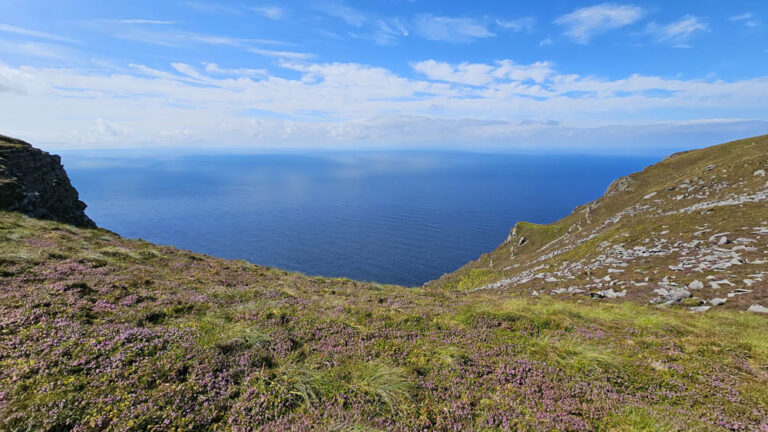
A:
<point x="392" y="217"/>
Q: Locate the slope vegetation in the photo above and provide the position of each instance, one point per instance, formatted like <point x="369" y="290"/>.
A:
<point x="98" y="332"/>
<point x="690" y="231"/>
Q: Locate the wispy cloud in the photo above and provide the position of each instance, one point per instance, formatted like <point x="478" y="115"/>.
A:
<point x="222" y="8"/>
<point x="213" y="8"/>
<point x="282" y="54"/>
<point x="677" y="33"/>
<point x="175" y="38"/>
<point x="146" y="21"/>
<point x="340" y="10"/>
<point x="178" y="38"/>
<point x="215" y="69"/>
<point x="37" y="49"/>
<point x="190" y="71"/>
<point x="5" y="28"/>
<point x="449" y="29"/>
<point x="389" y="30"/>
<point x="525" y="24"/>
<point x="583" y="24"/>
<point x="271" y="12"/>
<point x="747" y="18"/>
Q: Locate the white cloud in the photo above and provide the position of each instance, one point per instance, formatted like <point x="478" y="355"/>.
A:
<point x="464" y="73"/>
<point x="677" y="33"/>
<point x="747" y="18"/>
<point x="359" y="84"/>
<point x="348" y="104"/>
<point x="583" y="24"/>
<point x="16" y="80"/>
<point x="457" y="30"/>
<point x="537" y="72"/>
<point x="478" y="74"/>
<point x="5" y="28"/>
<point x="271" y="12"/>
<point x="524" y="24"/>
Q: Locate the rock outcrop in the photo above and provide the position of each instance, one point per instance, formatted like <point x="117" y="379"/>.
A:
<point x="34" y="182"/>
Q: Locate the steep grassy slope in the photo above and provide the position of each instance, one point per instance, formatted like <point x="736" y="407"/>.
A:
<point x="99" y="332"/>
<point x="686" y="231"/>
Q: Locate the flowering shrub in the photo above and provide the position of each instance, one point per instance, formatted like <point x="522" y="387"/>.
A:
<point x="103" y="333"/>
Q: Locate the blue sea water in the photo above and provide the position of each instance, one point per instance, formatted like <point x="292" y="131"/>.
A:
<point x="390" y="217"/>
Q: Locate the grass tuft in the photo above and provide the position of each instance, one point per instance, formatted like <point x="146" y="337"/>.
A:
<point x="386" y="385"/>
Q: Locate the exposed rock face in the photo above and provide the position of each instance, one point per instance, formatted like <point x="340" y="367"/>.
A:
<point x="34" y="182"/>
<point x="621" y="184"/>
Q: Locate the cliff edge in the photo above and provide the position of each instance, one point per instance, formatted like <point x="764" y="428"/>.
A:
<point x="34" y="182"/>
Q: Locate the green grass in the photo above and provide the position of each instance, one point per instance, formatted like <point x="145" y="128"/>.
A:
<point x="538" y="235"/>
<point x="301" y="381"/>
<point x="220" y="331"/>
<point x="636" y="419"/>
<point x="386" y="385"/>
<point x="476" y="278"/>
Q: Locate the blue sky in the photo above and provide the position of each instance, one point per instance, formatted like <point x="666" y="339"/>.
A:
<point x="550" y="76"/>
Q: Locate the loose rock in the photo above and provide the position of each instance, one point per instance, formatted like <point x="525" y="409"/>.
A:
<point x="609" y="293"/>
<point x="669" y="297"/>
<point x="758" y="309"/>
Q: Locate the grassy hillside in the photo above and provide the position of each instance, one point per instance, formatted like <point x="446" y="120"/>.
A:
<point x="103" y="333"/>
<point x="98" y="332"/>
<point x="697" y="221"/>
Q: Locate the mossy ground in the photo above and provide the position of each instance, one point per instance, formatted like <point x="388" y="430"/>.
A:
<point x="103" y="333"/>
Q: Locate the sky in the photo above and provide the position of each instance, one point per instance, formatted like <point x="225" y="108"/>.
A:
<point x="642" y="77"/>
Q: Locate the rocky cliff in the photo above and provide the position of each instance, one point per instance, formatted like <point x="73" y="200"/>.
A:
<point x="34" y="182"/>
